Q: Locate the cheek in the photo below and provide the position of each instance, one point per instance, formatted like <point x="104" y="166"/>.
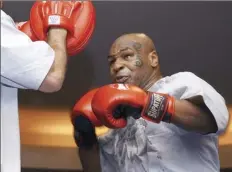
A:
<point x="136" y="75"/>
<point x="139" y="74"/>
<point x="135" y="79"/>
<point x="138" y="62"/>
<point x="132" y="66"/>
<point x="136" y="66"/>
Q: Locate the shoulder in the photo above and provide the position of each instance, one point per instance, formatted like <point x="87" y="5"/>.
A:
<point x="190" y="79"/>
<point x="185" y="75"/>
<point x="6" y="18"/>
<point x="180" y="80"/>
<point x="185" y="79"/>
<point x="189" y="84"/>
<point x="3" y="14"/>
<point x="183" y="84"/>
<point x="8" y="27"/>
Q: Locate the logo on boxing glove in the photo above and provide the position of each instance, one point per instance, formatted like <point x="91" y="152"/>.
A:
<point x="54" y="20"/>
<point x="156" y="107"/>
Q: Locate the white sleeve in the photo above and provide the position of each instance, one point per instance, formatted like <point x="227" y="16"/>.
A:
<point x="24" y="64"/>
<point x="191" y="85"/>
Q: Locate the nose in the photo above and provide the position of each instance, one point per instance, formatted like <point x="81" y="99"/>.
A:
<point x="117" y="66"/>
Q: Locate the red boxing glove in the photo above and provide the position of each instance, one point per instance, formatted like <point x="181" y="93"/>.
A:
<point x="83" y="107"/>
<point x="84" y="121"/>
<point x="78" y="17"/>
<point x="113" y="103"/>
<point x="26" y="28"/>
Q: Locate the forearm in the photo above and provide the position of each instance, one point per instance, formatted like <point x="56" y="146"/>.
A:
<point x="58" y="43"/>
<point x="191" y="117"/>
<point x="55" y="77"/>
<point x="86" y="140"/>
<point x="90" y="159"/>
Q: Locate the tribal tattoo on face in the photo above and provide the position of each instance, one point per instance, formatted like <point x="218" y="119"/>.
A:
<point x="138" y="62"/>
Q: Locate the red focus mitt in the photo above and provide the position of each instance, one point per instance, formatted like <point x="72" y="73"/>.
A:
<point x="26" y="28"/>
<point x="78" y="17"/>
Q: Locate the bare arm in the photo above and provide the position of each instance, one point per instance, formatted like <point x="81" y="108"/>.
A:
<point x="90" y="159"/>
<point x="55" y="77"/>
<point x="193" y="115"/>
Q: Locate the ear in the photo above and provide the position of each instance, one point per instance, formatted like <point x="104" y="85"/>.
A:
<point x="153" y="59"/>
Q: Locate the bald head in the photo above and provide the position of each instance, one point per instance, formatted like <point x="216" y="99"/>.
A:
<point x="136" y="40"/>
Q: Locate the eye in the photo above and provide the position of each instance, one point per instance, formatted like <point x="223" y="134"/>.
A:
<point x="111" y="61"/>
<point x="127" y="56"/>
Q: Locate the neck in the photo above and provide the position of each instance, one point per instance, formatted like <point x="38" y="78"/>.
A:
<point x="154" y="77"/>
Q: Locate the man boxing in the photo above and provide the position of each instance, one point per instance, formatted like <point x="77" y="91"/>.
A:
<point x="157" y="123"/>
<point x="35" y="65"/>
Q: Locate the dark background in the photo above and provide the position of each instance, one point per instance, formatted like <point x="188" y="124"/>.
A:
<point x="189" y="36"/>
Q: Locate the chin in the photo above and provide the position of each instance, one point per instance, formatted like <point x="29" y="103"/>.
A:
<point x="126" y="82"/>
<point x="130" y="82"/>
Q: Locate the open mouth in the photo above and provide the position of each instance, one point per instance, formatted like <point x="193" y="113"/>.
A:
<point x="121" y="79"/>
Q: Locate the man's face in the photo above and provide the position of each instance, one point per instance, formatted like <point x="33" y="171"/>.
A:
<point x="128" y="62"/>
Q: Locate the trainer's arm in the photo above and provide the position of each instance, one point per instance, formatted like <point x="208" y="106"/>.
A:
<point x="90" y="159"/>
<point x="32" y="65"/>
<point x="194" y="115"/>
<point x="55" y="77"/>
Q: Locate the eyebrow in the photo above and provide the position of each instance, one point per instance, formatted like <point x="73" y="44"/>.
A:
<point x="113" y="55"/>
